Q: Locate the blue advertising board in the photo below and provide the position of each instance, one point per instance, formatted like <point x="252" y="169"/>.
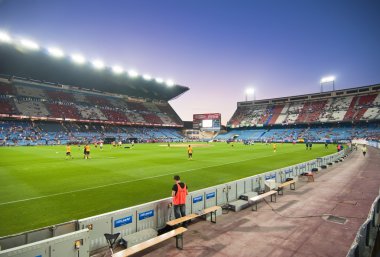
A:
<point x="146" y="214"/>
<point x="210" y="195"/>
<point x="122" y="221"/>
<point x="198" y="199"/>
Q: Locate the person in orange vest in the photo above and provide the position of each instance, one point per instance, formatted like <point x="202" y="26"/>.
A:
<point x="179" y="194"/>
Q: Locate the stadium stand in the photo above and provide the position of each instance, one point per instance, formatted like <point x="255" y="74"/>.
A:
<point x="91" y="115"/>
<point x="321" y="117"/>
<point x="7" y="105"/>
<point x="31" y="108"/>
<point x="63" y="111"/>
<point x="40" y="100"/>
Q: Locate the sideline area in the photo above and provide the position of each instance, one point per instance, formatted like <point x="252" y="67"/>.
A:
<point x="298" y="224"/>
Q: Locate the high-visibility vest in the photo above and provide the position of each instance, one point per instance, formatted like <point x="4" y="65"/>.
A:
<point x="180" y="196"/>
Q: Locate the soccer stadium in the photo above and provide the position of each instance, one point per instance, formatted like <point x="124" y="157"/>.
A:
<point x="89" y="152"/>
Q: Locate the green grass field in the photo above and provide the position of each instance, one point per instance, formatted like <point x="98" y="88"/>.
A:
<point x="38" y="187"/>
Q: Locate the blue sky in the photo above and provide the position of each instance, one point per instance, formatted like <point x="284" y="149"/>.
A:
<point x="217" y="48"/>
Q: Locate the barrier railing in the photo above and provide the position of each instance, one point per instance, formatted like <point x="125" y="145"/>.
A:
<point x="154" y="214"/>
<point x="366" y="237"/>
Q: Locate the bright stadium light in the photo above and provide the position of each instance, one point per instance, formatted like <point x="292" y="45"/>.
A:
<point x="147" y="77"/>
<point x="117" y="69"/>
<point x="159" y="80"/>
<point x="169" y="83"/>
<point x="98" y="64"/>
<point x="29" y="44"/>
<point x="249" y="92"/>
<point x="4" y="37"/>
<point x="133" y="73"/>
<point x="56" y="52"/>
<point x="328" y="79"/>
<point x="77" y="58"/>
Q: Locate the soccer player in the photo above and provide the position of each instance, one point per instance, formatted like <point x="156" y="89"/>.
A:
<point x="179" y="193"/>
<point x="326" y="145"/>
<point x="101" y="145"/>
<point x="87" y="151"/>
<point x="190" y="152"/>
<point x="68" y="151"/>
<point x="274" y="148"/>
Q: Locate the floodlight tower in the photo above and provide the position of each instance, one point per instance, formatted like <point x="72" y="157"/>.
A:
<point x="326" y="80"/>
<point x="248" y="92"/>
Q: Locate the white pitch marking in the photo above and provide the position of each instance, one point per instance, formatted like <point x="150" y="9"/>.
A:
<point x="125" y="182"/>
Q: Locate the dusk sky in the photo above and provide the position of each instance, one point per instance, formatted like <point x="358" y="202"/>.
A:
<point x="216" y="48"/>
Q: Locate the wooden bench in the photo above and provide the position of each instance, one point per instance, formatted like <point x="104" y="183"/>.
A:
<point x="212" y="210"/>
<point x="257" y="198"/>
<point x="181" y="220"/>
<point x="291" y="183"/>
<point x="177" y="233"/>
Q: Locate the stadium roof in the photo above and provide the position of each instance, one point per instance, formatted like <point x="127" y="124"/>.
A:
<point x="39" y="64"/>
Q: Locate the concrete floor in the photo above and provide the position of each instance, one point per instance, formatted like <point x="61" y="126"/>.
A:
<point x="296" y="224"/>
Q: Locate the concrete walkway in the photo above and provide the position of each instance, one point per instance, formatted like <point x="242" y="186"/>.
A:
<point x="297" y="224"/>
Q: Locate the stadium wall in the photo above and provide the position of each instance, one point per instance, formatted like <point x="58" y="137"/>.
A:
<point x="90" y="231"/>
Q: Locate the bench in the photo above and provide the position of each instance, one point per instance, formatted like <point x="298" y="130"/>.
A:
<point x="177" y="233"/>
<point x="309" y="175"/>
<point x="212" y="210"/>
<point x="291" y="183"/>
<point x="138" y="237"/>
<point x="257" y="198"/>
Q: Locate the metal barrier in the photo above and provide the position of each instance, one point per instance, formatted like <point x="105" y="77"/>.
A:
<point x="74" y="244"/>
<point x="374" y="144"/>
<point x="37" y="235"/>
<point x="366" y="237"/>
<point x="149" y="215"/>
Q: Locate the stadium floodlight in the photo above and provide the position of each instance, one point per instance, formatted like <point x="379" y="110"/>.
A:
<point x="98" y="64"/>
<point x="159" y="80"/>
<point x="117" y="69"/>
<point x="328" y="79"/>
<point x="169" y="83"/>
<point x="29" y="44"/>
<point x="147" y="77"/>
<point x="56" y="52"/>
<point x="4" y="37"/>
<point x="133" y="73"/>
<point x="77" y="58"/>
<point x="248" y="92"/>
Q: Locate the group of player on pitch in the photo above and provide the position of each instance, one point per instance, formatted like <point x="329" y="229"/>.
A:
<point x="87" y="148"/>
<point x="86" y="151"/>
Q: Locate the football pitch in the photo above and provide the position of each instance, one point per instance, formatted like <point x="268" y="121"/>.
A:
<point x="38" y="187"/>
